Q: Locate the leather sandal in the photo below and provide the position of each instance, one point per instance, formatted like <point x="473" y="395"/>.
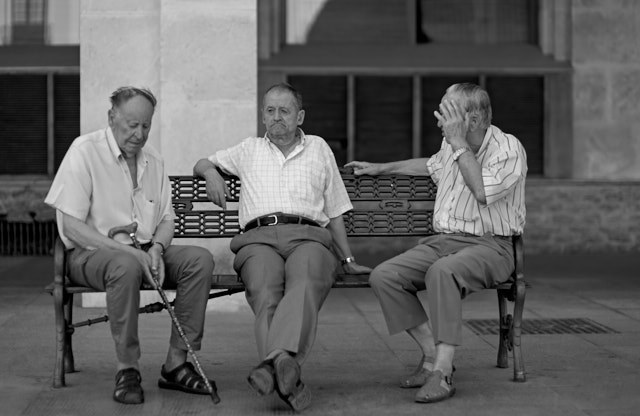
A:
<point x="128" y="389"/>
<point x="437" y="388"/>
<point x="184" y="378"/>
<point x="288" y="384"/>
<point x="419" y="376"/>
<point x="261" y="378"/>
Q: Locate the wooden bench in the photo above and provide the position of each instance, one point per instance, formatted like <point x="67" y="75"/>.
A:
<point x="384" y="206"/>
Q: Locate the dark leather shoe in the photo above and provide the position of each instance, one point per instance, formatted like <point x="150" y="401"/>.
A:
<point x="261" y="378"/>
<point x="128" y="389"/>
<point x="288" y="384"/>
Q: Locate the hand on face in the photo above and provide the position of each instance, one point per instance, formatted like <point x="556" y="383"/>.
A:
<point x="453" y="121"/>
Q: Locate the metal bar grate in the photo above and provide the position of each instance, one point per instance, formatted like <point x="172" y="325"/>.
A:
<point x="27" y="238"/>
<point x="542" y="326"/>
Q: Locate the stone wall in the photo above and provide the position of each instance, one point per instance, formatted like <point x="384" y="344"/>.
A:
<point x="582" y="216"/>
<point x="606" y="88"/>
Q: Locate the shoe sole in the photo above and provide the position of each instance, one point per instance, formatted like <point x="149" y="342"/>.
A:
<point x="436" y="399"/>
<point x="261" y="381"/>
<point x="300" y="400"/>
<point x="170" y="385"/>
<point x="287" y="373"/>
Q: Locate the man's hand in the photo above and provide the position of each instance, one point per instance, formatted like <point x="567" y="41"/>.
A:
<point x="157" y="264"/>
<point x="146" y="262"/>
<point x="454" y="123"/>
<point x="365" y="168"/>
<point x="216" y="188"/>
<point x="355" y="268"/>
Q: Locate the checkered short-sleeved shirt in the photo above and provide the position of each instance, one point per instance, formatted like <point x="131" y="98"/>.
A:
<point x="307" y="182"/>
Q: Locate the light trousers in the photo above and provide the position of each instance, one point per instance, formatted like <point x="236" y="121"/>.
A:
<point x="449" y="267"/>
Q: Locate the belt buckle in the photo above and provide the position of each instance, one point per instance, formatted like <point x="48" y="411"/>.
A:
<point x="275" y="217"/>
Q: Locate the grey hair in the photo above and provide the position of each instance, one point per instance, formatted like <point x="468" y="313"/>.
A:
<point x="475" y="100"/>
<point x="124" y="94"/>
<point x="284" y="86"/>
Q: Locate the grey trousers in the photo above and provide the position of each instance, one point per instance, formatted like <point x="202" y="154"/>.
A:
<point x="188" y="270"/>
<point x="288" y="271"/>
<point x="449" y="267"/>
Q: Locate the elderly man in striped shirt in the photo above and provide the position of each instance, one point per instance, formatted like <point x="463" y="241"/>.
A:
<point x="480" y="173"/>
<point x="291" y="205"/>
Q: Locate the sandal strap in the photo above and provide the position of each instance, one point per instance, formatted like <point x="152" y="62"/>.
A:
<point x="127" y="377"/>
<point x="186" y="375"/>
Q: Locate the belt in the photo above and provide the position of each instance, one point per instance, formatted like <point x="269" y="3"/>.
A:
<point x="278" y="219"/>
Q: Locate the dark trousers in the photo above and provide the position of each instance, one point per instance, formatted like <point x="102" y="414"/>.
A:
<point x="288" y="271"/>
<point x="188" y="270"/>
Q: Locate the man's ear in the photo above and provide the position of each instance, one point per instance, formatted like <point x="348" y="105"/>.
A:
<point x="474" y="121"/>
<point x="300" y="117"/>
<point x="111" y="114"/>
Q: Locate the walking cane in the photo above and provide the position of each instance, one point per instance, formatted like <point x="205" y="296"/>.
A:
<point x="131" y="231"/>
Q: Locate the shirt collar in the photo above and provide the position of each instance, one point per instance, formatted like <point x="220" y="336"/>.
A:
<point x="303" y="138"/>
<point x="487" y="137"/>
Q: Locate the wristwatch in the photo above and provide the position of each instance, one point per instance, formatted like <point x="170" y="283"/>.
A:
<point x="459" y="152"/>
<point x="161" y="247"/>
<point x="348" y="260"/>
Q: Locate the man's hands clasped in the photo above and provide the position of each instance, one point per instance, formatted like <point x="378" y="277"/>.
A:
<point x="152" y="265"/>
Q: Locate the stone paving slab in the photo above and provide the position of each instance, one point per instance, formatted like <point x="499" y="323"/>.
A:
<point x="355" y="365"/>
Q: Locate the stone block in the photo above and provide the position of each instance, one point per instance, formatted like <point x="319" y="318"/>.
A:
<point x="589" y="94"/>
<point x="625" y="95"/>
<point x="605" y="36"/>
<point x="209" y="78"/>
<point x="116" y="50"/>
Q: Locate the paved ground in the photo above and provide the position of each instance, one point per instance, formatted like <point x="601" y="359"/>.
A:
<point x="355" y="365"/>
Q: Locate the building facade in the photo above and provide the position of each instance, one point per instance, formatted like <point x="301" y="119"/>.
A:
<point x="563" y="77"/>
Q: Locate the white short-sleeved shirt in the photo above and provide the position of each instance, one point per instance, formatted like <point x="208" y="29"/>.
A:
<point x="93" y="184"/>
<point x="307" y="182"/>
<point x="504" y="168"/>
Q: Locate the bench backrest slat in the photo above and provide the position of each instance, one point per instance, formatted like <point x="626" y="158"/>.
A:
<point x="382" y="205"/>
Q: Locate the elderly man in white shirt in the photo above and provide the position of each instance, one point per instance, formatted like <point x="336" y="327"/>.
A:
<point x="291" y="205"/>
<point x="108" y="179"/>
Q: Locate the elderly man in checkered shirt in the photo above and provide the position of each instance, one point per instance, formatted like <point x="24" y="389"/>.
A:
<point x="291" y="205"/>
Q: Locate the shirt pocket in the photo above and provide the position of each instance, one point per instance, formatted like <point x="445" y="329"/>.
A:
<point x="309" y="181"/>
<point x="465" y="207"/>
<point x="147" y="217"/>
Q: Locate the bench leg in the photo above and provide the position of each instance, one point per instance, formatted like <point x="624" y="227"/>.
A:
<point x="61" y="325"/>
<point x="505" y="325"/>
<point x="69" y="363"/>
<point x="518" y="362"/>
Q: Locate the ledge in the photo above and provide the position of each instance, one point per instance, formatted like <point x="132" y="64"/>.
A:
<point x="516" y="59"/>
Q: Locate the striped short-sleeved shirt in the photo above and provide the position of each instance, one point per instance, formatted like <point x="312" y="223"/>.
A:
<point x="307" y="182"/>
<point x="504" y="169"/>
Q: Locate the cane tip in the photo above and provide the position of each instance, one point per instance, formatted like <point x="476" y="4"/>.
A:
<point x="215" y="398"/>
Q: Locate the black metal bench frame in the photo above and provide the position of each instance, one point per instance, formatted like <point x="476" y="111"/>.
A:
<point x="384" y="206"/>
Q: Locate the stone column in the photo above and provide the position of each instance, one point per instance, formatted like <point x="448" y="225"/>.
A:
<point x="200" y="59"/>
